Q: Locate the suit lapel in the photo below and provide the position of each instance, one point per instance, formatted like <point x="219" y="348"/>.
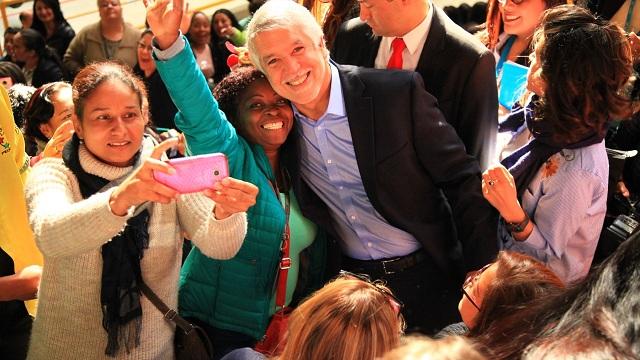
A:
<point x="370" y="49"/>
<point x="435" y="42"/>
<point x="359" y="110"/>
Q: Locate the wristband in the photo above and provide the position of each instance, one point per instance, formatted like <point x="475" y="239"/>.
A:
<point x="519" y="226"/>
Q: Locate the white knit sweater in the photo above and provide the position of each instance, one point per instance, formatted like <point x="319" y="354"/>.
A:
<point x="70" y="232"/>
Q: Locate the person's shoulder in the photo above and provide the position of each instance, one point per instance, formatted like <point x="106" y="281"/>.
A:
<point x="65" y="30"/>
<point x="91" y="30"/>
<point x="380" y="82"/>
<point x="354" y="26"/>
<point x="131" y="33"/>
<point x="456" y="38"/>
<point x="585" y="162"/>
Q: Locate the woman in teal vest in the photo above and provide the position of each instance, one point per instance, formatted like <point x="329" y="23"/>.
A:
<point x="235" y="299"/>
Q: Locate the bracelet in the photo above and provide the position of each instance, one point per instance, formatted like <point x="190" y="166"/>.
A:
<point x="519" y="226"/>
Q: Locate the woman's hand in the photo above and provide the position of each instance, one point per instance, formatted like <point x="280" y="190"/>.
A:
<point x="228" y="32"/>
<point x="165" y="23"/>
<point x="499" y="188"/>
<point x="21" y="286"/>
<point x="622" y="189"/>
<point x="60" y="137"/>
<point x="185" y="23"/>
<point x="232" y="196"/>
<point x="141" y="186"/>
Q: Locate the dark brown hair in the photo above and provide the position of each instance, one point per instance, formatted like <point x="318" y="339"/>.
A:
<point x="586" y="63"/>
<point x="520" y="280"/>
<point x="337" y="14"/>
<point x="93" y="75"/>
<point x="39" y="109"/>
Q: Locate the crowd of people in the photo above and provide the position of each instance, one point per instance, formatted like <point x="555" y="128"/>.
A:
<point x="381" y="202"/>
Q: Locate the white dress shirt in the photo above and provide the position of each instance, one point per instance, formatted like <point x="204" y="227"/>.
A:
<point x="414" y="41"/>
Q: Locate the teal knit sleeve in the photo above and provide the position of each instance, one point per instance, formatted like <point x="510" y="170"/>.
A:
<point x="205" y="126"/>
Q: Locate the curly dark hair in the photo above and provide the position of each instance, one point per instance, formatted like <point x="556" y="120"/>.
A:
<point x="230" y="89"/>
<point x="587" y="63"/>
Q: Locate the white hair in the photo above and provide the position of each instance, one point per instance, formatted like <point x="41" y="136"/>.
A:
<point x="282" y="14"/>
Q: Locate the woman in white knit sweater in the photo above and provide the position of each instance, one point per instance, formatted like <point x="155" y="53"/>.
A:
<point x="98" y="243"/>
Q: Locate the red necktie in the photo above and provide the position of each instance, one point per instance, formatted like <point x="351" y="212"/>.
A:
<point x="395" y="61"/>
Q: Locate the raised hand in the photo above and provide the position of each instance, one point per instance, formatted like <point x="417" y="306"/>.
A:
<point x="141" y="186"/>
<point x="60" y="137"/>
<point x="164" y="21"/>
<point x="232" y="196"/>
<point x="498" y="187"/>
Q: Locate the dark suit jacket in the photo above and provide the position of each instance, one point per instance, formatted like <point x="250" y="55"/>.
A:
<point x="412" y="165"/>
<point x="457" y="69"/>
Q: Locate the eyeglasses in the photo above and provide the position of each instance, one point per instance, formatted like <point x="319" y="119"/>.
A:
<point x="515" y="2"/>
<point x="396" y="303"/>
<point x="471" y="279"/>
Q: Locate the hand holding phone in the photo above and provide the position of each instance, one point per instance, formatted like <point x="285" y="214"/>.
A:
<point x="193" y="174"/>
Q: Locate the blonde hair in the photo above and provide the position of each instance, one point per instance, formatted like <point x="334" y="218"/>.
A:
<point x="348" y="319"/>
<point x="424" y="348"/>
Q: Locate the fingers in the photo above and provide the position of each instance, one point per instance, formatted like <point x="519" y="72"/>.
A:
<point x="162" y="147"/>
<point x="233" y="195"/>
<point x="162" y="193"/>
<point x="179" y="5"/>
<point x="66" y="126"/>
<point x="151" y="165"/>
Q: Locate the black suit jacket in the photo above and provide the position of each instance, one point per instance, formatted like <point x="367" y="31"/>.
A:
<point x="412" y="165"/>
<point x="457" y="69"/>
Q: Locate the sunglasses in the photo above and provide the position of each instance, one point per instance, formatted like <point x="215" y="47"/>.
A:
<point x="396" y="303"/>
<point x="470" y="280"/>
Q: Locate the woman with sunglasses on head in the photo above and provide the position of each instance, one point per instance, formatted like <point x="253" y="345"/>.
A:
<point x="350" y="318"/>
<point x="552" y="192"/>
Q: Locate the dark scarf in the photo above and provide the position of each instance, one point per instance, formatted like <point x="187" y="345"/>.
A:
<point x="120" y="294"/>
<point x="525" y="162"/>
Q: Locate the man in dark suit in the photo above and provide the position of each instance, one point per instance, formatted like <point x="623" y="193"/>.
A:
<point x="373" y="161"/>
<point x="457" y="69"/>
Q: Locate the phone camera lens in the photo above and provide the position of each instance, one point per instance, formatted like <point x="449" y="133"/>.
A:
<point x="216" y="172"/>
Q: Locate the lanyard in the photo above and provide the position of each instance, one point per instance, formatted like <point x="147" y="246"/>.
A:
<point x="285" y="260"/>
<point x="504" y="54"/>
<point x="627" y="23"/>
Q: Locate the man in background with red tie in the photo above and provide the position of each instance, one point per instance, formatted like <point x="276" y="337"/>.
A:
<point x="457" y="69"/>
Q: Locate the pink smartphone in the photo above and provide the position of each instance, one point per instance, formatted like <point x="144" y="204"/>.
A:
<point x="195" y="173"/>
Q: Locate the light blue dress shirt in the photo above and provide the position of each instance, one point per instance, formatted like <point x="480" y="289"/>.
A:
<point x="331" y="170"/>
<point x="567" y="201"/>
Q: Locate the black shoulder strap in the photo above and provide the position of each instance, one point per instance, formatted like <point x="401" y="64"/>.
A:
<point x="169" y="314"/>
